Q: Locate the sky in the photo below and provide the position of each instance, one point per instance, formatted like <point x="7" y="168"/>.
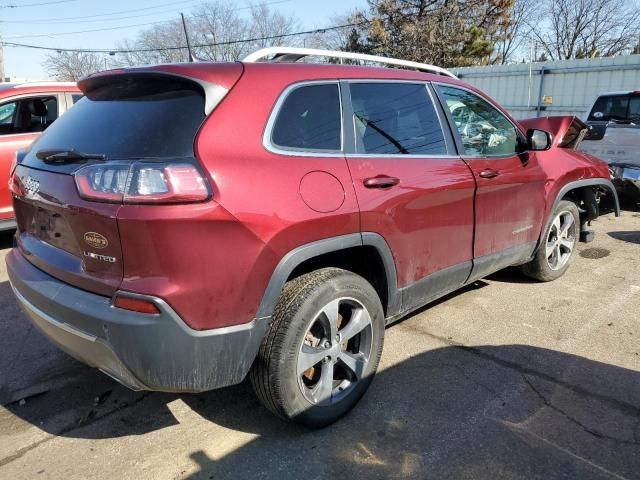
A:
<point x="49" y="23"/>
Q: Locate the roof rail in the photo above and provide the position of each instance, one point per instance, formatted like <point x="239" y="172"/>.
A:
<point x="293" y="54"/>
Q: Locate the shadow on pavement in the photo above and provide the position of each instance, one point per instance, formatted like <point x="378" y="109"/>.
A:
<point x="629" y="236"/>
<point x="510" y="275"/>
<point x="484" y="412"/>
<point x="456" y="412"/>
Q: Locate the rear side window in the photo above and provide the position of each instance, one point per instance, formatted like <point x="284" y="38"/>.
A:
<point x="129" y="118"/>
<point x="395" y="118"/>
<point x="75" y="97"/>
<point x="616" y="108"/>
<point x="309" y="119"/>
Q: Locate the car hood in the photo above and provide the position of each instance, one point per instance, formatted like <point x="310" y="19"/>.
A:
<point x="566" y="131"/>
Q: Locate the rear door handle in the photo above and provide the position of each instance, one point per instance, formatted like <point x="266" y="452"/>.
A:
<point x="489" y="173"/>
<point x="380" y="181"/>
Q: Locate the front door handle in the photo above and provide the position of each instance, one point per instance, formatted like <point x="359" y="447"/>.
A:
<point x="381" y="181"/>
<point x="489" y="173"/>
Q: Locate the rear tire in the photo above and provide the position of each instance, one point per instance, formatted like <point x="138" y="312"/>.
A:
<point x="322" y="349"/>
<point x="558" y="244"/>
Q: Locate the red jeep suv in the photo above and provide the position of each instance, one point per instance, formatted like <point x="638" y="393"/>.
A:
<point x="184" y="226"/>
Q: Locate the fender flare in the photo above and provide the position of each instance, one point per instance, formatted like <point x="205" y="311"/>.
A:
<point x="588" y="182"/>
<point x="297" y="256"/>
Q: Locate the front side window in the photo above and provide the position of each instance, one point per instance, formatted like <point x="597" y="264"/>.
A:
<point x="396" y="119"/>
<point x="309" y="119"/>
<point x="483" y="130"/>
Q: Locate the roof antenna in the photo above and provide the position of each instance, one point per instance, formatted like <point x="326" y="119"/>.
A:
<point x="186" y="35"/>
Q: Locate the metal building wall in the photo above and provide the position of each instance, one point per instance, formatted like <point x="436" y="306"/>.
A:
<point x="573" y="84"/>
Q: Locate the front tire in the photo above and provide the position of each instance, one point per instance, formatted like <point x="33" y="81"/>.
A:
<point x="322" y="349"/>
<point x="558" y="244"/>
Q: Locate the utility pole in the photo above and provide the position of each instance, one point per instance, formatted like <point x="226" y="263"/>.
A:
<point x="1" y="60"/>
<point x="186" y="36"/>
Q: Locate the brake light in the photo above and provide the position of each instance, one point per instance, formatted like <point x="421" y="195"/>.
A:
<point x="136" y="305"/>
<point x="142" y="182"/>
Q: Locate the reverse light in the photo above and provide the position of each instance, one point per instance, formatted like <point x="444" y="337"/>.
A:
<point x="142" y="182"/>
<point x="138" y="305"/>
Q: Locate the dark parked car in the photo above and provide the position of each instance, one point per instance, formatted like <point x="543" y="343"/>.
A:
<point x="26" y="110"/>
<point x="184" y="226"/>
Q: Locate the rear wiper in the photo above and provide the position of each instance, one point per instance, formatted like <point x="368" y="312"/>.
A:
<point x="67" y="156"/>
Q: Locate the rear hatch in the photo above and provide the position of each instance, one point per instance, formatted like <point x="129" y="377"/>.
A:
<point x="125" y="142"/>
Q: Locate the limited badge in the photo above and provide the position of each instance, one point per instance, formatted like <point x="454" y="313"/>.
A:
<point x="95" y="240"/>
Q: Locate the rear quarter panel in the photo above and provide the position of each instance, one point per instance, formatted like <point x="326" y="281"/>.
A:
<point x="212" y="262"/>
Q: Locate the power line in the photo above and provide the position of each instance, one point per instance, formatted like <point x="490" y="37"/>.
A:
<point x="181" y="47"/>
<point x="98" y="15"/>
<point x="93" y="30"/>
<point x="102" y="20"/>
<point x="39" y="4"/>
<point x="120" y="27"/>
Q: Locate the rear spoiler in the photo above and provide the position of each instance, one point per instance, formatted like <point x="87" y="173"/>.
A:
<point x="215" y="81"/>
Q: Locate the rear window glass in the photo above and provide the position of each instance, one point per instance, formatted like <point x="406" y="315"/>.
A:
<point x="131" y="118"/>
<point x="616" y="108"/>
<point x="309" y="119"/>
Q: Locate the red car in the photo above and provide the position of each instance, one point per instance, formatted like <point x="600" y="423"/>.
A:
<point x="187" y="225"/>
<point x="25" y="111"/>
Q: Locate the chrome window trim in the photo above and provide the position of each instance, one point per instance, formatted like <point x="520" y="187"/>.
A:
<point x="425" y="84"/>
<point x="267" y="142"/>
<point x="463" y="155"/>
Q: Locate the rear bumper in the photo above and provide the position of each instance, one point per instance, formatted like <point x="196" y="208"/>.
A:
<point x="143" y="352"/>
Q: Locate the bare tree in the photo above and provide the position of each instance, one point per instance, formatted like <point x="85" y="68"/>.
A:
<point x="586" y="28"/>
<point x="72" y="66"/>
<point x="336" y="38"/>
<point x="514" y="33"/>
<point x="217" y="31"/>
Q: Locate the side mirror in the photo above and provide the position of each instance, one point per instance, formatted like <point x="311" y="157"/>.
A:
<point x="538" y="140"/>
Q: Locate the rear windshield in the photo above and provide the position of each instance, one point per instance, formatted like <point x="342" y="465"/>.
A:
<point x="616" y="108"/>
<point x="154" y="117"/>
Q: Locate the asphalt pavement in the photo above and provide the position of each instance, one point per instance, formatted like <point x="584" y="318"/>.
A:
<point x="507" y="378"/>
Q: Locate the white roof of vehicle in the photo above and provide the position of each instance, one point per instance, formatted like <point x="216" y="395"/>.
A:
<point x="6" y="86"/>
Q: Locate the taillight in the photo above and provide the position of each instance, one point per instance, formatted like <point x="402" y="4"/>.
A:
<point x="142" y="182"/>
<point x="14" y="182"/>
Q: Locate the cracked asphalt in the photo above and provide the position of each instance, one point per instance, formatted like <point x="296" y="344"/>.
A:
<point x="505" y="379"/>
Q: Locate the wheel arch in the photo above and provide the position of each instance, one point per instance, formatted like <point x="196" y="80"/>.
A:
<point x="575" y="188"/>
<point x="367" y="253"/>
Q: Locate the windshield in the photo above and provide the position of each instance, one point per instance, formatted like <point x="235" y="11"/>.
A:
<point x="616" y="108"/>
<point x="128" y="118"/>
